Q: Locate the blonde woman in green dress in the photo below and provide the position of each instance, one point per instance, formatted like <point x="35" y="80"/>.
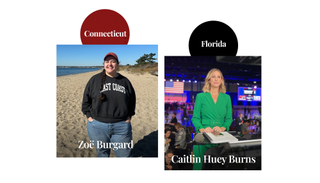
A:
<point x="212" y="111"/>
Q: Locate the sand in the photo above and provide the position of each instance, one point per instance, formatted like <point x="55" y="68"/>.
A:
<point x="71" y="122"/>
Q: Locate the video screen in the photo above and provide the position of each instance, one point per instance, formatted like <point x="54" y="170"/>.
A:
<point x="249" y="94"/>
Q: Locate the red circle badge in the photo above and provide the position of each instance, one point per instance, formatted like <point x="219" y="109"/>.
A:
<point x="104" y="27"/>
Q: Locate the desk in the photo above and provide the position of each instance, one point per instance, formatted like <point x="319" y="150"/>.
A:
<point x="240" y="155"/>
<point x="211" y="156"/>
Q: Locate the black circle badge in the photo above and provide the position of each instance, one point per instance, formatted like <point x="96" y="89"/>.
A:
<point x="213" y="38"/>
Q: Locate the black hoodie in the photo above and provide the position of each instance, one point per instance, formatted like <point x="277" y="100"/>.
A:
<point x="119" y="102"/>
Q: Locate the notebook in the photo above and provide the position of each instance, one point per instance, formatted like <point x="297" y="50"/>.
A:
<point x="221" y="138"/>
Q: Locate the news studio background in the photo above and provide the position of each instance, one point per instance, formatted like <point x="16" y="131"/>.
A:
<point x="184" y="79"/>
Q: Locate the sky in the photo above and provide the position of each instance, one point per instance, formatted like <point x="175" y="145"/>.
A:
<point x="92" y="55"/>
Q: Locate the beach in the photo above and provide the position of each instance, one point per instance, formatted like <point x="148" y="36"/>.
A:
<point x="71" y="127"/>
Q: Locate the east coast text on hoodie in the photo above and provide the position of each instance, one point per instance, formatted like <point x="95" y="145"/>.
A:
<point x="119" y="103"/>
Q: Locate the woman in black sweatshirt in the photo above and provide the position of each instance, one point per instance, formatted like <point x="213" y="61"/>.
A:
<point x="109" y="103"/>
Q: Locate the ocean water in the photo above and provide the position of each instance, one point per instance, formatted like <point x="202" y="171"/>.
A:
<point x="69" y="71"/>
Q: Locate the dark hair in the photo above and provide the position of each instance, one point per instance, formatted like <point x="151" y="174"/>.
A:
<point x="168" y="151"/>
<point x="103" y="78"/>
<point x="166" y="130"/>
<point x="166" y="126"/>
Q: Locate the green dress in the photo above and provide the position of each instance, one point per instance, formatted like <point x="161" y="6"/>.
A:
<point x="206" y="113"/>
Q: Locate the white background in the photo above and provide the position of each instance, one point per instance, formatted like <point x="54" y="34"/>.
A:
<point x="285" y="34"/>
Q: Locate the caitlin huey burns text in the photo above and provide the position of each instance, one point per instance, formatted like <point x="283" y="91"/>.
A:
<point x="213" y="159"/>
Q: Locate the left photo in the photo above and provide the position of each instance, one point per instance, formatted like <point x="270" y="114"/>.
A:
<point x="107" y="101"/>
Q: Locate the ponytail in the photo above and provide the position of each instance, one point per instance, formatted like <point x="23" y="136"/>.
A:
<point x="103" y="78"/>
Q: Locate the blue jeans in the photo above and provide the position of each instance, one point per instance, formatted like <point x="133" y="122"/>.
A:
<point x="106" y="135"/>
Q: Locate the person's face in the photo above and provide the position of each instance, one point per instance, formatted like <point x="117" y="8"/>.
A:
<point x="173" y="115"/>
<point x="110" y="65"/>
<point x="240" y="115"/>
<point x="168" y="157"/>
<point x="216" y="79"/>
<point x="168" y="134"/>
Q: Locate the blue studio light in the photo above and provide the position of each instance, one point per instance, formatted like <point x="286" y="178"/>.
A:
<point x="253" y="79"/>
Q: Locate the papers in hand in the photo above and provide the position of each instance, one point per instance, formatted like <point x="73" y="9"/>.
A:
<point x="221" y="138"/>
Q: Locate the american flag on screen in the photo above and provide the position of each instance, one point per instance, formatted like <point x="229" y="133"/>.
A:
<point x="173" y="87"/>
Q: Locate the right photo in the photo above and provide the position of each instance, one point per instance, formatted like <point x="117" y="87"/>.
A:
<point x="213" y="118"/>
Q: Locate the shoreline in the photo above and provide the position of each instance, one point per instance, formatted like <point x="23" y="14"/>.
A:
<point x="79" y="73"/>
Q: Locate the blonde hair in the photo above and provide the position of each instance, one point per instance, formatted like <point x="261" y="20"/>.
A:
<point x="206" y="88"/>
<point x="178" y="125"/>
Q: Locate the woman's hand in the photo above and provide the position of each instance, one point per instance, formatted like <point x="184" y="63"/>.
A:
<point x="216" y="129"/>
<point x="207" y="130"/>
<point x="128" y="119"/>
<point x="90" y="119"/>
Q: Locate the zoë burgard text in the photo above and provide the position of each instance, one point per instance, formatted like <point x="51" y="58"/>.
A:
<point x="105" y="145"/>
